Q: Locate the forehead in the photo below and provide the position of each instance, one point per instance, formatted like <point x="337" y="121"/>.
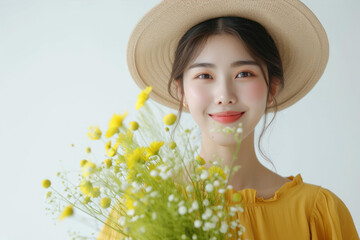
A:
<point x="223" y="47"/>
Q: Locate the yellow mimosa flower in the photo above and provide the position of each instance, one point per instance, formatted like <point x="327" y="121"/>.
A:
<point x="151" y="167"/>
<point x="110" y="132"/>
<point x="153" y="149"/>
<point x="83" y="162"/>
<point x="108" y="163"/>
<point x="105" y="202"/>
<point x="48" y="194"/>
<point x="117" y="120"/>
<point x="113" y="150"/>
<point x="200" y="160"/>
<point x="86" y="187"/>
<point x="172" y="145"/>
<point x="134" y="157"/>
<point x="94" y="133"/>
<point x="67" y="212"/>
<point x="142" y="97"/>
<point x="133" y="125"/>
<point x="121" y="159"/>
<point x="107" y="146"/>
<point x="170" y="119"/>
<point x="88" y="168"/>
<point x="88" y="150"/>
<point x="86" y="200"/>
<point x="129" y="200"/>
<point x="95" y="192"/>
<point x="46" y="183"/>
<point x="217" y="169"/>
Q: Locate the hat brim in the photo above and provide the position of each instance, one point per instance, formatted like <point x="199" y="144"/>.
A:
<point x="299" y="36"/>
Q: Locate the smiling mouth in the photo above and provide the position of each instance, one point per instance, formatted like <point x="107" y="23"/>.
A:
<point x="227" y="117"/>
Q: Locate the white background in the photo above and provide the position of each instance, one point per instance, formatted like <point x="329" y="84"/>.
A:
<point x="63" y="68"/>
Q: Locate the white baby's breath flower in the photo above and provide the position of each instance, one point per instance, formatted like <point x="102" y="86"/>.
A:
<point x="220" y="214"/>
<point x="148" y="189"/>
<point x="206" y="202"/>
<point x="207" y="214"/>
<point x="153" y="216"/>
<point x="154" y="194"/>
<point x="162" y="168"/>
<point x="216" y="183"/>
<point x="221" y="190"/>
<point x="194" y="237"/>
<point x="122" y="220"/>
<point x="208" y="226"/>
<point x="223" y="227"/>
<point x="204" y="174"/>
<point x="130" y="212"/>
<point x="165" y="175"/>
<point x="134" y="218"/>
<point x="124" y="186"/>
<point x="182" y="210"/>
<point x="233" y="209"/>
<point x="154" y="173"/>
<point x="183" y="236"/>
<point x="135" y="203"/>
<point x="189" y="188"/>
<point x="209" y="187"/>
<point x="195" y="205"/>
<point x="197" y="223"/>
<point x="214" y="219"/>
<point x="233" y="224"/>
<point x="142" y="229"/>
<point x="229" y="187"/>
<point x="181" y="203"/>
<point x="171" y="198"/>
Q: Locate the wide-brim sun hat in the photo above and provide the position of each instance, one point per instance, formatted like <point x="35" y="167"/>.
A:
<point x="298" y="34"/>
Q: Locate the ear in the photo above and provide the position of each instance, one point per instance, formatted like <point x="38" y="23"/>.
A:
<point x="275" y="84"/>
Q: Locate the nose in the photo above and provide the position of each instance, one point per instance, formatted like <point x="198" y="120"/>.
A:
<point x="225" y="94"/>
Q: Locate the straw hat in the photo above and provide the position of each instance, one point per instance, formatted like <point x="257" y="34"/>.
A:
<point x="298" y="35"/>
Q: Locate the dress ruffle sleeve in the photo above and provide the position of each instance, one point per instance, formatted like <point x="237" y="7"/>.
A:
<point x="331" y="219"/>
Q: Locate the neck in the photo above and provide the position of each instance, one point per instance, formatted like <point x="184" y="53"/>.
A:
<point x="251" y="173"/>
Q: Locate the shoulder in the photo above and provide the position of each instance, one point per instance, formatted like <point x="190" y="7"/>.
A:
<point x="330" y="218"/>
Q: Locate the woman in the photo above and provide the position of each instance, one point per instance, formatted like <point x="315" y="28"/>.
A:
<point x="231" y="62"/>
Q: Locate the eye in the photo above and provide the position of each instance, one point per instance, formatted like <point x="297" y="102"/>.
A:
<point x="204" y="76"/>
<point x="244" y="74"/>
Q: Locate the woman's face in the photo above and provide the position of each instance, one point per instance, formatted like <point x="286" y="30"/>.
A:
<point x="224" y="86"/>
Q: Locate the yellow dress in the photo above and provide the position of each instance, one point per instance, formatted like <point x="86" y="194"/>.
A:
<point x="297" y="211"/>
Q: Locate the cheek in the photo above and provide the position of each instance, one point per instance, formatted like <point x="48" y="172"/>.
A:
<point x="255" y="91"/>
<point x="196" y="95"/>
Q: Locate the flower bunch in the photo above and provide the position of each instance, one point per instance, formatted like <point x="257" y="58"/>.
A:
<point x="152" y="184"/>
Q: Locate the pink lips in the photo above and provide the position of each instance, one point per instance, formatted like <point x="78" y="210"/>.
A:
<point x="226" y="117"/>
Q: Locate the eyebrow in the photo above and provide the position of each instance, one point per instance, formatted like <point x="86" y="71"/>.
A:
<point x="234" y="64"/>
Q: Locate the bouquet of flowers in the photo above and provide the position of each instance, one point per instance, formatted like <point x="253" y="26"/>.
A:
<point x="152" y="184"/>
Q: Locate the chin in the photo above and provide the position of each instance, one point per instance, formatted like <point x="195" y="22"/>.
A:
<point x="225" y="140"/>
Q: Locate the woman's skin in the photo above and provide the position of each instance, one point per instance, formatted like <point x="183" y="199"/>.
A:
<point x="219" y="86"/>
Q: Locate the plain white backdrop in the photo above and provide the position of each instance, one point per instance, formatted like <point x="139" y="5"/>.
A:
<point x="63" y="68"/>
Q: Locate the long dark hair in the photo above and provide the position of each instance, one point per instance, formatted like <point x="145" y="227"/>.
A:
<point x="259" y="44"/>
